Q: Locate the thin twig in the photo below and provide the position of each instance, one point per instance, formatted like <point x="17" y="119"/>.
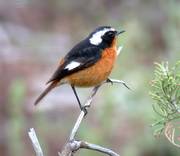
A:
<point x="81" y="116"/>
<point x="73" y="145"/>
<point x="76" y="126"/>
<point x="88" y="103"/>
<point x="98" y="148"/>
<point x="35" y="142"/>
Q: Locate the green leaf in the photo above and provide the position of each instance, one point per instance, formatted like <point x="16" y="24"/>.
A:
<point x="166" y="92"/>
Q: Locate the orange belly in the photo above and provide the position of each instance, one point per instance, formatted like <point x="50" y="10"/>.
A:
<point x="97" y="73"/>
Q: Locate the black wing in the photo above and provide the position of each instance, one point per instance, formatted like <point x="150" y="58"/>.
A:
<point x="86" y="57"/>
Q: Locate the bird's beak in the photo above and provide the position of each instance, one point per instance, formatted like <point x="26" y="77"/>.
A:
<point x="120" y="32"/>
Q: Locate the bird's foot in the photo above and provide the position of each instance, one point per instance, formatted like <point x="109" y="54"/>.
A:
<point x="84" y="109"/>
<point x="109" y="81"/>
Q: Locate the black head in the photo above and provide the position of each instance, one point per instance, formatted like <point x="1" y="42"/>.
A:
<point x="103" y="35"/>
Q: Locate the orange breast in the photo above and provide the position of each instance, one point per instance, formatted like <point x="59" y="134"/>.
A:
<point x="97" y="73"/>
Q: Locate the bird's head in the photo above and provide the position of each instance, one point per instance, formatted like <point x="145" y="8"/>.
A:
<point x="104" y="35"/>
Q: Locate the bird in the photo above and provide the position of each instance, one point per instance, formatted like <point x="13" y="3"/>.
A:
<point x="87" y="64"/>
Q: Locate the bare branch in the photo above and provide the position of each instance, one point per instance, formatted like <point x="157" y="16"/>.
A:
<point x="81" y="116"/>
<point x="35" y="142"/>
<point x="88" y="103"/>
<point x="98" y="148"/>
<point x="73" y="145"/>
<point x="67" y="150"/>
<point x="76" y="126"/>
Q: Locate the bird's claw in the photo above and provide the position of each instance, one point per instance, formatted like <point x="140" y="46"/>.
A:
<point x="109" y="81"/>
<point x="84" y="109"/>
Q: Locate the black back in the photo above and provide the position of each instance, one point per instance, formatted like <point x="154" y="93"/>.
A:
<point x="84" y="53"/>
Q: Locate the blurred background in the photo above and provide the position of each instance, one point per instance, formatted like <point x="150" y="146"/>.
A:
<point x="35" y="34"/>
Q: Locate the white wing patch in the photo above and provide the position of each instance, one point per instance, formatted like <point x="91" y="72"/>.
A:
<point x="96" y="37"/>
<point x="72" y="65"/>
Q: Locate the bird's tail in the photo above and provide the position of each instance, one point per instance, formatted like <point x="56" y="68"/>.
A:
<point x="44" y="93"/>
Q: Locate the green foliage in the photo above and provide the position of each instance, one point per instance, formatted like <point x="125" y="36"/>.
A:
<point x="17" y="93"/>
<point x="166" y="93"/>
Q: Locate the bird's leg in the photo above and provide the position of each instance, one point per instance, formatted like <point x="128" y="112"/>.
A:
<point x="81" y="107"/>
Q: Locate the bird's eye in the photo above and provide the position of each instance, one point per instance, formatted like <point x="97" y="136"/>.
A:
<point x="109" y="36"/>
<point x="111" y="33"/>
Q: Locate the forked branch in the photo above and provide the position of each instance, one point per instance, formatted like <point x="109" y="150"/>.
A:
<point x="72" y="144"/>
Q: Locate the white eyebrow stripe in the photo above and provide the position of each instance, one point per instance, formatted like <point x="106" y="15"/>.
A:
<point x="96" y="37"/>
<point x="72" y="65"/>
